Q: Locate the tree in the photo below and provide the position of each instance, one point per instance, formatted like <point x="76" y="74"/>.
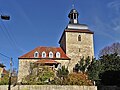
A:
<point x="82" y="65"/>
<point x="94" y="70"/>
<point x="5" y="78"/>
<point x="110" y="72"/>
<point x="62" y="72"/>
<point x="114" y="48"/>
<point x="110" y="78"/>
<point x="110" y="62"/>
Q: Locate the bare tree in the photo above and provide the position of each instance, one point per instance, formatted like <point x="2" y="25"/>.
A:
<point x="114" y="48"/>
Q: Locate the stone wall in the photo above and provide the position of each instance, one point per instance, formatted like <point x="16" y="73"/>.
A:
<point x="58" y="87"/>
<point x="48" y="87"/>
<point x="24" y="66"/>
<point x="77" y="49"/>
<point x="64" y="62"/>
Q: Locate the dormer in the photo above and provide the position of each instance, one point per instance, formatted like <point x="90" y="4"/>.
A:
<point x="58" y="55"/>
<point x="43" y="54"/>
<point x="36" y="54"/>
<point x="50" y="54"/>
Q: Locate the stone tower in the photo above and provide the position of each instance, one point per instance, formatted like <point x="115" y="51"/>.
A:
<point x="76" y="40"/>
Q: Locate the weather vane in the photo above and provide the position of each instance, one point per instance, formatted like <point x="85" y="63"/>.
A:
<point x="73" y="6"/>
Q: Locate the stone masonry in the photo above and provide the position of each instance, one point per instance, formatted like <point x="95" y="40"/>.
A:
<point x="77" y="49"/>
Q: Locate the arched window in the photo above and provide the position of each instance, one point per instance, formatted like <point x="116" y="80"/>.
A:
<point x="36" y="54"/>
<point x="50" y="55"/>
<point x="57" y="55"/>
<point x="43" y="54"/>
<point x="79" y="38"/>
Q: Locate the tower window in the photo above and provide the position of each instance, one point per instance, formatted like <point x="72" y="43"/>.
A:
<point x="79" y="50"/>
<point x="43" y="54"/>
<point x="57" y="55"/>
<point x="79" y="38"/>
<point x="36" y="54"/>
<point x="71" y="16"/>
<point x="50" y="55"/>
<point x="75" y="16"/>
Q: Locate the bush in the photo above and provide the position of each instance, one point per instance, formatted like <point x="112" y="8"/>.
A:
<point x="78" y="79"/>
<point x="73" y="79"/>
<point x="41" y="78"/>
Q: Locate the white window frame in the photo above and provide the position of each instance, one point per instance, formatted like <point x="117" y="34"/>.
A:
<point x="58" y="55"/>
<point x="36" y="54"/>
<point x="43" y="54"/>
<point x="50" y="54"/>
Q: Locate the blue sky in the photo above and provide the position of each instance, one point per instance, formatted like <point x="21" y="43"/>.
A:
<point x="36" y="23"/>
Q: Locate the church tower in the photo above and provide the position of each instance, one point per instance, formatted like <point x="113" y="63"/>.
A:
<point x="76" y="40"/>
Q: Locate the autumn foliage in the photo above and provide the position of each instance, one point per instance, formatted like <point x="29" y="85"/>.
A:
<point x="74" y="79"/>
<point x="78" y="79"/>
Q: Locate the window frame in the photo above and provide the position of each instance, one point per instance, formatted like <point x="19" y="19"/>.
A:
<point x="36" y="54"/>
<point x="79" y="38"/>
<point x="43" y="54"/>
<point x="50" y="54"/>
<point x="58" y="55"/>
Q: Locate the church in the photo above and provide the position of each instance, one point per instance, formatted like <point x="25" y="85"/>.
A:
<point x="76" y="42"/>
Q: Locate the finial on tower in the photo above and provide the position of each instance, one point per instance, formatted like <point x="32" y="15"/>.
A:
<point x="73" y="15"/>
<point x="73" y="6"/>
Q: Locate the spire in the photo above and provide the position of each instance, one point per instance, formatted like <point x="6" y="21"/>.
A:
<point x="73" y="15"/>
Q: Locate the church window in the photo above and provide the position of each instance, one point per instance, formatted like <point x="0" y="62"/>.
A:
<point x="43" y="54"/>
<point x="79" y="38"/>
<point x="36" y="54"/>
<point x="57" y="55"/>
<point x="50" y="55"/>
<point x="79" y="50"/>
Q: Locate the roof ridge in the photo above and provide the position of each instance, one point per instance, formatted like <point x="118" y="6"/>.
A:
<point x="48" y="46"/>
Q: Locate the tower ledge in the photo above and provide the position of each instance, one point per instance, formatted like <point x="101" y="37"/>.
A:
<point x="77" y="26"/>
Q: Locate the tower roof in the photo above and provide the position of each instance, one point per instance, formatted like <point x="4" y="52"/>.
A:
<point x="73" y="11"/>
<point x="74" y="23"/>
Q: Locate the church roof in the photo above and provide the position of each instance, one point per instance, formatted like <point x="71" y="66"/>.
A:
<point x="40" y="49"/>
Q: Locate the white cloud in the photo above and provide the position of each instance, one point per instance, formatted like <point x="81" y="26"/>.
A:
<point x="115" y="5"/>
<point x="105" y="29"/>
<point x="115" y="22"/>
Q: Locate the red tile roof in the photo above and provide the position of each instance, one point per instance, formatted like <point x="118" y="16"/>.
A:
<point x="54" y="50"/>
<point x="47" y="62"/>
<point x="4" y="71"/>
